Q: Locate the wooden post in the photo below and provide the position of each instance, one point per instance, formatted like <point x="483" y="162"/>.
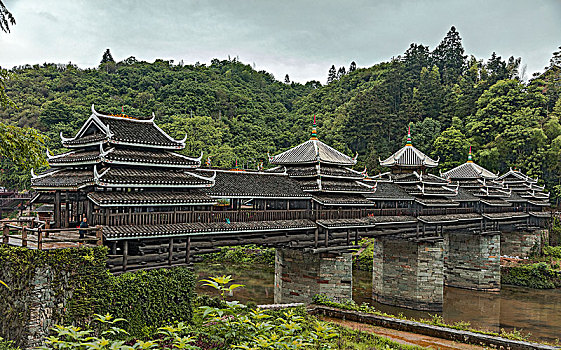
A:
<point x="5" y="234"/>
<point x="24" y="236"/>
<point x="316" y="237"/>
<point x="349" y="237"/>
<point x="188" y="251"/>
<point x="99" y="235"/>
<point x="417" y="229"/>
<point x="39" y="239"/>
<point x="47" y="226"/>
<point x="356" y="237"/>
<point x="57" y="210"/>
<point x="170" y="251"/>
<point x="114" y="248"/>
<point x="326" y="237"/>
<point x="125" y="254"/>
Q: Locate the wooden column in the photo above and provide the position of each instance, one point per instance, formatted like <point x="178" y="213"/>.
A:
<point x="188" y="251"/>
<point x="89" y="212"/>
<point x="99" y="235"/>
<point x="349" y="237"/>
<point x="5" y="234"/>
<point x="326" y="237"/>
<point x="39" y="239"/>
<point x="170" y="251"/>
<point x="24" y="236"/>
<point x="316" y="237"/>
<point x="125" y="254"/>
<point x="356" y="237"/>
<point x="57" y="210"/>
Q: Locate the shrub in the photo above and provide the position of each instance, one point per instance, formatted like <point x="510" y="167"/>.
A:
<point x="538" y="275"/>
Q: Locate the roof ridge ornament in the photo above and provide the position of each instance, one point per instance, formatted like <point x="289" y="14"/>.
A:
<point x="409" y="143"/>
<point x="153" y="117"/>
<point x="470" y="160"/>
<point x="355" y="158"/>
<point x="211" y="179"/>
<point x="65" y="139"/>
<point x="314" y="130"/>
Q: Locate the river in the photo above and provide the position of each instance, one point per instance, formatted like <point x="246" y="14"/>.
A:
<point x="533" y="311"/>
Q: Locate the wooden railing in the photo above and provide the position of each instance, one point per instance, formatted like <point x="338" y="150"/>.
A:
<point x="36" y="235"/>
<point x="162" y="218"/>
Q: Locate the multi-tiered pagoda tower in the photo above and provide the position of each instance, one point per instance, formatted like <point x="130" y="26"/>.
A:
<point x="325" y="173"/>
<point x="118" y="165"/>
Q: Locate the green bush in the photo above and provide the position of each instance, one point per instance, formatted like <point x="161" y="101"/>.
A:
<point x="554" y="252"/>
<point x="150" y="299"/>
<point x="364" y="260"/>
<point x="538" y="275"/>
<point x="7" y="345"/>
<point x="246" y="254"/>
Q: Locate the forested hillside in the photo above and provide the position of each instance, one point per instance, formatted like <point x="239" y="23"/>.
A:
<point x="232" y="112"/>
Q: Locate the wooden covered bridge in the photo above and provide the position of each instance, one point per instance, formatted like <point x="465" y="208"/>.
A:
<point x="153" y="206"/>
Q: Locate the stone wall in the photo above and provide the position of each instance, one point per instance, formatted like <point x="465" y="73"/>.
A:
<point x="299" y="276"/>
<point x="408" y="274"/>
<point x="521" y="243"/>
<point x="472" y="261"/>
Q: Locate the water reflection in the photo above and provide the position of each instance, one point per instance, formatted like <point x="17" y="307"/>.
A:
<point x="533" y="311"/>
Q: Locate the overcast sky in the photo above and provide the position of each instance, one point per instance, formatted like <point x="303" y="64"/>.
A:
<point x="301" y="38"/>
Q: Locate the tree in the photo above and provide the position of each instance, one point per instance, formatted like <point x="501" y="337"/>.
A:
<point x="451" y="146"/>
<point x="107" y="57"/>
<point x="332" y="75"/>
<point x="6" y="18"/>
<point x="449" y="57"/>
<point x="352" y="67"/>
<point x="555" y="59"/>
<point x="286" y="79"/>
<point x="341" y="72"/>
<point x="428" y="97"/>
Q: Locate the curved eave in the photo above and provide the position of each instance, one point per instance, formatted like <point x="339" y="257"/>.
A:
<point x="109" y="205"/>
<point x="82" y="145"/>
<point x="145" y="145"/>
<point x="151" y="185"/>
<point x="248" y="196"/>
<point x="67" y="164"/>
<point x="162" y="165"/>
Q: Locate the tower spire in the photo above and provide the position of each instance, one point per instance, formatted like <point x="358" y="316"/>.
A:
<point x="314" y="132"/>
<point x="470" y="160"/>
<point x="409" y="136"/>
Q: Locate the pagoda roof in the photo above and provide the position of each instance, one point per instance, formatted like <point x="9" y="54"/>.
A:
<point x="335" y="185"/>
<point x="389" y="191"/>
<point x="150" y="198"/>
<point x="469" y="170"/>
<point x="150" y="177"/>
<point x="465" y="196"/>
<point x="251" y="184"/>
<point x="335" y="199"/>
<point x="123" y="130"/>
<point x="409" y="157"/>
<point x="436" y="202"/>
<point x="516" y="176"/>
<point x="312" y="151"/>
<point x="324" y="171"/>
<point x="199" y="228"/>
<point x="67" y="179"/>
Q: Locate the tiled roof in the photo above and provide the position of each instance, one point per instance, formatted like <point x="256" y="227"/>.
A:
<point x="158" y="198"/>
<point x="449" y="218"/>
<point x="84" y="140"/>
<point x="389" y="191"/>
<point x="367" y="221"/>
<point x="495" y="202"/>
<point x="120" y="155"/>
<point x="469" y="170"/>
<point x="436" y="202"/>
<point x="345" y="186"/>
<point x="312" y="151"/>
<point x="465" y="196"/>
<point x="324" y="170"/>
<point x="247" y="184"/>
<point x="63" y="179"/>
<point x="504" y="215"/>
<point x="74" y="157"/>
<point x="342" y="199"/>
<point x="192" y="229"/>
<point x="152" y="177"/>
<point x="409" y="157"/>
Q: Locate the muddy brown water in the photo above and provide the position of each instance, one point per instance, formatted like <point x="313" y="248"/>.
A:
<point x="533" y="311"/>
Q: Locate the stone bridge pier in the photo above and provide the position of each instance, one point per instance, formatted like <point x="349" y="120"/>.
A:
<point x="299" y="276"/>
<point x="408" y="274"/>
<point x="472" y="260"/>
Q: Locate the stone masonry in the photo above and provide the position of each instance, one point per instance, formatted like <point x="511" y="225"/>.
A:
<point x="521" y="243"/>
<point x="472" y="261"/>
<point x="408" y="274"/>
<point x="299" y="276"/>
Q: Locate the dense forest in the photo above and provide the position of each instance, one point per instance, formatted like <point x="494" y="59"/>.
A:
<point x="234" y="113"/>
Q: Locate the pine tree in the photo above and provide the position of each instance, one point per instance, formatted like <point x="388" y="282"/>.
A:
<point x="449" y="57"/>
<point x="286" y="79"/>
<point x="332" y="75"/>
<point x="341" y="72"/>
<point x="107" y="57"/>
<point x="352" y="67"/>
<point x="6" y="18"/>
<point x="555" y="60"/>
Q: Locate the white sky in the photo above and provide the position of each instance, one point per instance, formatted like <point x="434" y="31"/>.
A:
<point x="301" y="38"/>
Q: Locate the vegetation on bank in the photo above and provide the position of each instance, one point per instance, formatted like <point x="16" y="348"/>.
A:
<point x="435" y="320"/>
<point x="246" y="254"/>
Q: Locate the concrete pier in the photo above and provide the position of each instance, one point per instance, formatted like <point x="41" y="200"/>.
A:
<point x="472" y="260"/>
<point x="299" y="276"/>
<point x="408" y="274"/>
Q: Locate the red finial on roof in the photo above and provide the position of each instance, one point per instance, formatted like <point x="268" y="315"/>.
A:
<point x="314" y="132"/>
<point x="122" y="109"/>
<point x="409" y="136"/>
<point x="469" y="155"/>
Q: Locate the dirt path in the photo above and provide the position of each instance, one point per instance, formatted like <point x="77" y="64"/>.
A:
<point x="405" y="338"/>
